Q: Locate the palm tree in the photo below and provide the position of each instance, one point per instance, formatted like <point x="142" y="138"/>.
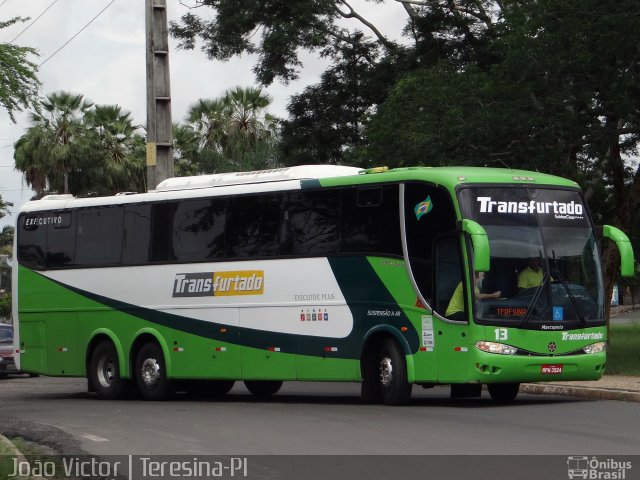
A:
<point x="49" y="152"/>
<point x="29" y="151"/>
<point x="234" y="132"/>
<point x="114" y="151"/>
<point x="251" y="131"/>
<point x="186" y="151"/>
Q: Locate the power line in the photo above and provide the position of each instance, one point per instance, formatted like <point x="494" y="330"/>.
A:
<point x="5" y="1"/>
<point x="78" y="33"/>
<point x="36" y="19"/>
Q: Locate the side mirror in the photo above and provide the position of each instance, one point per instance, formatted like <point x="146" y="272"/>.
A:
<point x="624" y="246"/>
<point x="480" y="243"/>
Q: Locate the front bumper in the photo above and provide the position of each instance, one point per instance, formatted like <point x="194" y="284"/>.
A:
<point x="495" y="368"/>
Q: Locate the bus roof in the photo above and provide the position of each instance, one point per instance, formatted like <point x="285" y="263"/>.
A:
<point x="292" y="178"/>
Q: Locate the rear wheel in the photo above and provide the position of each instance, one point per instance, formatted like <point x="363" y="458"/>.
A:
<point x="151" y="374"/>
<point x="104" y="372"/>
<point x="263" y="388"/>
<point x="503" y="392"/>
<point x="392" y="371"/>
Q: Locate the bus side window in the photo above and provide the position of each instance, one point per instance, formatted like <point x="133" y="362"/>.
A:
<point x="198" y="229"/>
<point x="311" y="226"/>
<point x="32" y="242"/>
<point x="61" y="240"/>
<point x="161" y="231"/>
<point x="99" y="236"/>
<point x="137" y="234"/>
<point x="369" y="221"/>
<point x="253" y="225"/>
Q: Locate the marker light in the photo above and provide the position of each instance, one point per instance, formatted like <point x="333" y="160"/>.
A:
<point x="492" y="347"/>
<point x="595" y="347"/>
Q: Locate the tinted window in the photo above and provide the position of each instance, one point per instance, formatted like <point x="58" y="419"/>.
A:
<point x="161" y="231"/>
<point x="61" y="240"/>
<point x="198" y="229"/>
<point x="253" y="225"/>
<point x="370" y="220"/>
<point x="311" y="223"/>
<point x="32" y="241"/>
<point x="137" y="234"/>
<point x="99" y="236"/>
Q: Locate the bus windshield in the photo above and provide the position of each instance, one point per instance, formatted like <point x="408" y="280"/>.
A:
<point x="544" y="259"/>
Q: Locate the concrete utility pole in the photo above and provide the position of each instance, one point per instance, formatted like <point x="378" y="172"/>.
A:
<point x="159" y="134"/>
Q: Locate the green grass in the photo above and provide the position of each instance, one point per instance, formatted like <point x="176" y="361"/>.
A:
<point x="6" y="461"/>
<point x="32" y="453"/>
<point x="623" y="356"/>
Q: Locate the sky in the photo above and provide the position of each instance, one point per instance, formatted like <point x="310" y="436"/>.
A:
<point x="106" y="64"/>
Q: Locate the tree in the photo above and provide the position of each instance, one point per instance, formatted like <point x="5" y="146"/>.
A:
<point x="114" y="153"/>
<point x="50" y="150"/>
<point x="231" y="133"/>
<point x="325" y="121"/>
<point x="19" y="83"/>
<point x="76" y="147"/>
<point x="275" y="30"/>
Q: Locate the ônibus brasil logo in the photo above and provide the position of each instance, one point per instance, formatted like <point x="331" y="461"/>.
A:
<point x="595" y="468"/>
<point x="206" y="284"/>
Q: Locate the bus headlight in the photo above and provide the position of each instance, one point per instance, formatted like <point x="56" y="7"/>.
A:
<point x="500" y="348"/>
<point x="595" y="347"/>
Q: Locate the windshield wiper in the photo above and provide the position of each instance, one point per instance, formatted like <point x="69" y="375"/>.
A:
<point x="572" y="298"/>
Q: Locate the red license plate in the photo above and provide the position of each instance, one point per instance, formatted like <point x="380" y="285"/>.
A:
<point x="551" y="369"/>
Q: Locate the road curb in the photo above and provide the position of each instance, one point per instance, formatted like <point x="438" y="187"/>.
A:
<point x="581" y="392"/>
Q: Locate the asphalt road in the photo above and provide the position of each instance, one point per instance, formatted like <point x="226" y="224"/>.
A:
<point x="320" y="419"/>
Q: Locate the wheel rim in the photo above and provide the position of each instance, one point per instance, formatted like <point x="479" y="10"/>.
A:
<point x="150" y="372"/>
<point x="386" y="371"/>
<point x="106" y="371"/>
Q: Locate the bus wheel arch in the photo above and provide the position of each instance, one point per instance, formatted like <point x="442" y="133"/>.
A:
<point x="383" y="352"/>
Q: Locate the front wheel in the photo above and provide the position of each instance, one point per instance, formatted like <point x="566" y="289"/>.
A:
<point x="392" y="370"/>
<point x="503" y="392"/>
<point x="151" y="373"/>
<point x="263" y="388"/>
<point x="104" y="372"/>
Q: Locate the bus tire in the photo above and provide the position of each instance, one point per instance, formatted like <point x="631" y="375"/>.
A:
<point x="392" y="370"/>
<point x="104" y="372"/>
<point x="503" y="392"/>
<point x="263" y="388"/>
<point x="151" y="374"/>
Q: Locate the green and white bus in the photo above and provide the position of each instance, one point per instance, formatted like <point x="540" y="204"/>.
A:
<point x="321" y="273"/>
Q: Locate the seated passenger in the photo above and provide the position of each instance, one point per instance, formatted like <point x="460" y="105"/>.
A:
<point x="532" y="275"/>
<point x="455" y="310"/>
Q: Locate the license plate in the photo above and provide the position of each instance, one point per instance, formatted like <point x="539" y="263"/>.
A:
<point x="551" y="369"/>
